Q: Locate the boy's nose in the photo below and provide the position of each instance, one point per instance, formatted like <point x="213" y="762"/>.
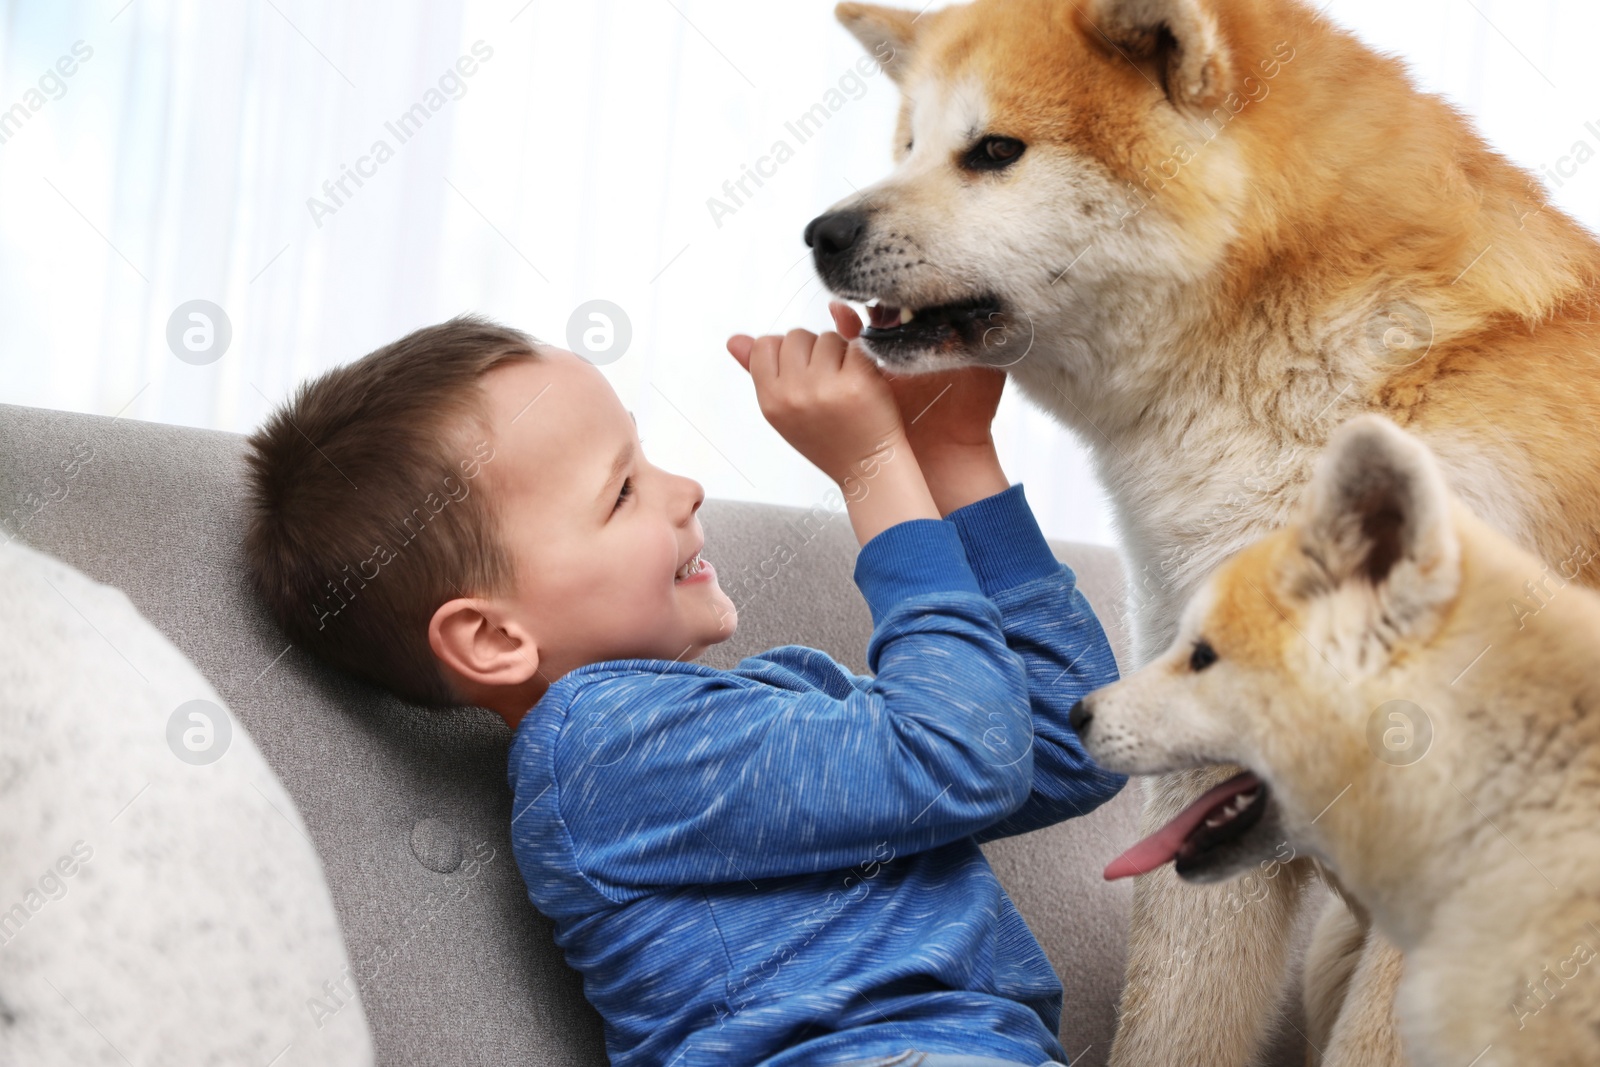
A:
<point x="697" y="495"/>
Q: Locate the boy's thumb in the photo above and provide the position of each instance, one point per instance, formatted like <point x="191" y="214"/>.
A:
<point x="845" y="319"/>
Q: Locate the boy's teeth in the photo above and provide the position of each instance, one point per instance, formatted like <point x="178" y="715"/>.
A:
<point x="691" y="567"/>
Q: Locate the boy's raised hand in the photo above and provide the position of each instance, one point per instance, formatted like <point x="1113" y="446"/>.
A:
<point x="942" y="409"/>
<point x="946" y="416"/>
<point x="824" y="396"/>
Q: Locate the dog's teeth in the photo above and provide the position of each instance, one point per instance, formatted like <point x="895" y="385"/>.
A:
<point x="1231" y="810"/>
<point x="905" y="315"/>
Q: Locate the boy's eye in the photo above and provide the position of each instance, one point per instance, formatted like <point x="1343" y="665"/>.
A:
<point x="1203" y="656"/>
<point x="627" y="491"/>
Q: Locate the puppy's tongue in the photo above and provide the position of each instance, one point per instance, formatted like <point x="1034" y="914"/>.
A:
<point x="1164" y="845"/>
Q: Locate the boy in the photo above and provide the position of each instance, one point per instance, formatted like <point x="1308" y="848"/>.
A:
<point x="775" y="865"/>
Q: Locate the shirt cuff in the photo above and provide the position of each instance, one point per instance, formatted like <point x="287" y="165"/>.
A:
<point x="910" y="558"/>
<point x="1003" y="542"/>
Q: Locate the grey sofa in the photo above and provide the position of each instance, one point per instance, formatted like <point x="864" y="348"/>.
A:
<point x="396" y="796"/>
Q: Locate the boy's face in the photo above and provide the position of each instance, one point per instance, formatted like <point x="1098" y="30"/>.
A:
<point x="597" y="536"/>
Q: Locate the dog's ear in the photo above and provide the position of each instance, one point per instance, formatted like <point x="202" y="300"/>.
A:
<point x="1178" y="41"/>
<point x="1377" y="511"/>
<point x="886" y="32"/>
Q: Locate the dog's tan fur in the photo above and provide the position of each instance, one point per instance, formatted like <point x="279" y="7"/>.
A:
<point x="1351" y="976"/>
<point x="1476" y="854"/>
<point x="1229" y="219"/>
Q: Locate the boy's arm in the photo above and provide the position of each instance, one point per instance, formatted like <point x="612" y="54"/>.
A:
<point x="1050" y="624"/>
<point x="692" y="778"/>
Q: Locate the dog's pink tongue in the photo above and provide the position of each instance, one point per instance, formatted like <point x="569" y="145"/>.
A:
<point x="1163" y="845"/>
<point x="883" y="316"/>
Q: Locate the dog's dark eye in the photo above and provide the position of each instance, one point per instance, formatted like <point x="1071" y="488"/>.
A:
<point x="994" y="153"/>
<point x="1202" y="657"/>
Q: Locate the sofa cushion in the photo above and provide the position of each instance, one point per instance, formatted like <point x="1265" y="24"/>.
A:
<point x="162" y="902"/>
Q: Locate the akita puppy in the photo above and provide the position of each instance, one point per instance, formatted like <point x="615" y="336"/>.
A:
<point x="1203" y="233"/>
<point x="1420" y="698"/>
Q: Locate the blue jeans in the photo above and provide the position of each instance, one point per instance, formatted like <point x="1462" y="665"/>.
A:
<point x="912" y="1058"/>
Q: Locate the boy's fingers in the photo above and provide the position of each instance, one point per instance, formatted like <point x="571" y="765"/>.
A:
<point x="845" y="319"/>
<point x="854" y="353"/>
<point x="764" y="359"/>
<point x="739" y="346"/>
<point x="830" y="351"/>
<point x="795" y="353"/>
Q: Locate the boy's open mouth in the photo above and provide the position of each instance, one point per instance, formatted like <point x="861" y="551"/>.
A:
<point x="1222" y="815"/>
<point x="693" y="566"/>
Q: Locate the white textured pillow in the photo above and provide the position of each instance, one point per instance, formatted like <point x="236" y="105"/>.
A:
<point x="160" y="900"/>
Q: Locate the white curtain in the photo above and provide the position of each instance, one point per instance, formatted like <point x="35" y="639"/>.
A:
<point x="538" y="156"/>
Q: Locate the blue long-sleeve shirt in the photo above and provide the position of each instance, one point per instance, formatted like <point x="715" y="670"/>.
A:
<point x="778" y="865"/>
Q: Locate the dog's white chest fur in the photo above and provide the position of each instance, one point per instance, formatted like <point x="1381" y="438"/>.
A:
<point x="1197" y="469"/>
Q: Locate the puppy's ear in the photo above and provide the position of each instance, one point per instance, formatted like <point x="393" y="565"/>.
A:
<point x="1178" y="41"/>
<point x="887" y="32"/>
<point x="1377" y="512"/>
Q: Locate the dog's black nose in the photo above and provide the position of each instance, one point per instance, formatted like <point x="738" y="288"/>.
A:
<point x="1080" y="718"/>
<point x="829" y="235"/>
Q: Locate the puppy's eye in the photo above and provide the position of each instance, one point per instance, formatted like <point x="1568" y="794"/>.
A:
<point x="1202" y="657"/>
<point x="908" y="145"/>
<point x="993" y="153"/>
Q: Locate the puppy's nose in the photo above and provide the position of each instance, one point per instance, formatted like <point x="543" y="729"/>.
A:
<point x="1080" y="718"/>
<point x="829" y="235"/>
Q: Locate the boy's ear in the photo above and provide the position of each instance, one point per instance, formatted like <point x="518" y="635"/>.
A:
<point x="886" y="32"/>
<point x="480" y="645"/>
<point x="1377" y="513"/>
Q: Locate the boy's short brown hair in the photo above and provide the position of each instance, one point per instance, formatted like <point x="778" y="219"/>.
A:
<point x="362" y="519"/>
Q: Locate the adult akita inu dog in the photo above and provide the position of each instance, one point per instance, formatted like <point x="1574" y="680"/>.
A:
<point x="1421" y="699"/>
<point x="1204" y="233"/>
